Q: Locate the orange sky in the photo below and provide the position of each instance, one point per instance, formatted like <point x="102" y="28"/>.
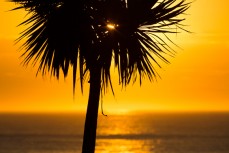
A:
<point x="197" y="79"/>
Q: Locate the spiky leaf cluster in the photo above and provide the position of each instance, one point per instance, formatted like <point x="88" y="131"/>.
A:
<point x="91" y="34"/>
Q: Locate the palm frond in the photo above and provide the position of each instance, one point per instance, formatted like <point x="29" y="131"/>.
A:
<point x="65" y="33"/>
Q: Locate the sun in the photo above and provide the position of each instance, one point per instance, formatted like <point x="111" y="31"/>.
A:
<point x="112" y="26"/>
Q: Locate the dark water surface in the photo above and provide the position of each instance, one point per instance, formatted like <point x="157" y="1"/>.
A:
<point x="145" y="133"/>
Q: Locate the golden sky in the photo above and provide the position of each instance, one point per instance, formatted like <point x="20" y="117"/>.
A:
<point x="197" y="79"/>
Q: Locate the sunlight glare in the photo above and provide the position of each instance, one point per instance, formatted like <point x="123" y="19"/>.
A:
<point x="111" y="26"/>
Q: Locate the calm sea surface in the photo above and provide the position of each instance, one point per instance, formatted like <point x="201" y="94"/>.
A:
<point x="149" y="133"/>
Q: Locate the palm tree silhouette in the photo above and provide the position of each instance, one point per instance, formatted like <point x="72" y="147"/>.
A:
<point x="91" y="34"/>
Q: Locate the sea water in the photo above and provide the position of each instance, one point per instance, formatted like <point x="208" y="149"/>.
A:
<point x="139" y="133"/>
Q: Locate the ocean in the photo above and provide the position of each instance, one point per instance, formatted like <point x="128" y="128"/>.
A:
<point x="140" y="133"/>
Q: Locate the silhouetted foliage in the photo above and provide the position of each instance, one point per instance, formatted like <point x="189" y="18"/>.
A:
<point x="65" y="32"/>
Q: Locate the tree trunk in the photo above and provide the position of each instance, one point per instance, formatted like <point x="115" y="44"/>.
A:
<point x="90" y="126"/>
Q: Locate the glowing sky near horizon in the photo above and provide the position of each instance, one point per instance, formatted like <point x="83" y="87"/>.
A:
<point x="196" y="80"/>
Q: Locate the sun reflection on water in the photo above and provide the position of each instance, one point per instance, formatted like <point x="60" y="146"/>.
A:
<point x="123" y="146"/>
<point x="125" y="134"/>
<point x="124" y="125"/>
